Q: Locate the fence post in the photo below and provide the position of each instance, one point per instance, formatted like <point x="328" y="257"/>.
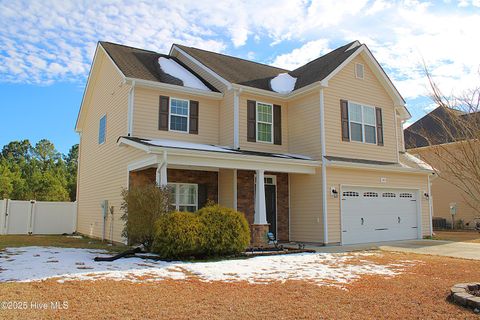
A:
<point x="32" y="216"/>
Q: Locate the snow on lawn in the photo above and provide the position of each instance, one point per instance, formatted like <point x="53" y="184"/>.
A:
<point x="39" y="263"/>
<point x="171" y="67"/>
<point x="283" y="83"/>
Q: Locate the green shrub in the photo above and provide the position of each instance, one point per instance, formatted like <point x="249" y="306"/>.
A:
<point x="178" y="235"/>
<point x="142" y="207"/>
<point x="224" y="231"/>
<point x="211" y="231"/>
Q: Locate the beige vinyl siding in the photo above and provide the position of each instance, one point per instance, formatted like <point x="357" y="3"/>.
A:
<point x="261" y="146"/>
<point x="371" y="178"/>
<point x="219" y="85"/>
<point x="306" y="207"/>
<point x="304" y="126"/>
<point x="226" y="184"/>
<point x="103" y="168"/>
<point x="368" y="91"/>
<point x="444" y="192"/>
<point x="226" y="119"/>
<point x="146" y="113"/>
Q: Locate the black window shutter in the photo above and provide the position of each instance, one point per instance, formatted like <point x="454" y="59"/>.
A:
<point x="344" y="115"/>
<point x="202" y="195"/>
<point x="378" y="112"/>
<point x="277" y="124"/>
<point x="251" y="121"/>
<point x="193" y="117"/>
<point x="163" y="113"/>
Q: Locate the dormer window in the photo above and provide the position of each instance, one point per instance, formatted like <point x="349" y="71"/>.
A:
<point x="359" y="70"/>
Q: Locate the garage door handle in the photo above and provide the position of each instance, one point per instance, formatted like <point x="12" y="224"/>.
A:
<point x="362" y="220"/>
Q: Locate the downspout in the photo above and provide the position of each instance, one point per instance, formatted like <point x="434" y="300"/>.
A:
<point x="324" y="168"/>
<point x="131" y="99"/>
<point x="236" y="111"/>
<point x="430" y="205"/>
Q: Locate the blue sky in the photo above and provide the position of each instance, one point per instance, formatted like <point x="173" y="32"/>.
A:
<point x="46" y="47"/>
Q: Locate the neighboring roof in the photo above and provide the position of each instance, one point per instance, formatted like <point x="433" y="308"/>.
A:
<point x="406" y="162"/>
<point x="143" y="64"/>
<point x="435" y="128"/>
<point x="166" y="143"/>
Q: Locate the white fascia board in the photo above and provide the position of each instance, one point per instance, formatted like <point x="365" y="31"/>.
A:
<point x="281" y="96"/>
<point x="373" y="167"/>
<point x="172" y="87"/>
<point x="201" y="65"/>
<point x="145" y="162"/>
<point x="97" y="49"/>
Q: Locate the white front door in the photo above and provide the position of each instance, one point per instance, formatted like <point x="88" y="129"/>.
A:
<point x="378" y="214"/>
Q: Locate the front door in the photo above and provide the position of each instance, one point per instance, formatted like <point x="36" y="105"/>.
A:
<point x="271" y="207"/>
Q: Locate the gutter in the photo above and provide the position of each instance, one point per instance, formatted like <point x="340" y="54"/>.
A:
<point x="364" y="166"/>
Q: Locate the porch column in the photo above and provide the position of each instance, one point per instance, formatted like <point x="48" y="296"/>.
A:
<point x="260" y="209"/>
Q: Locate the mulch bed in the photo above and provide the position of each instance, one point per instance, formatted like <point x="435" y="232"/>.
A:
<point x="419" y="293"/>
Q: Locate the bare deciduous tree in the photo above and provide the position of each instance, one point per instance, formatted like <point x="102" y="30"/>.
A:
<point x="454" y="139"/>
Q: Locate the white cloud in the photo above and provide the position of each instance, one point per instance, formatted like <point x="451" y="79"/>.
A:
<point x="309" y="51"/>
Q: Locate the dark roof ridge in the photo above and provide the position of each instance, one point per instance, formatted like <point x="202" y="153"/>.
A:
<point x="229" y="56"/>
<point x="130" y="47"/>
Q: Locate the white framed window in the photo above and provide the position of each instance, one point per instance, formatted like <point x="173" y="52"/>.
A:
<point x="359" y="70"/>
<point x="102" y="129"/>
<point x="185" y="196"/>
<point x="264" y="122"/>
<point x="362" y="122"/>
<point x="179" y="114"/>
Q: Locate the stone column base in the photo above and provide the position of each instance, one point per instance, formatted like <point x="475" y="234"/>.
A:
<point x="259" y="235"/>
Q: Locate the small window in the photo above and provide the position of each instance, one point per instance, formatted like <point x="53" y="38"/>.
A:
<point x="185" y="196"/>
<point x="389" y="195"/>
<point x="179" y="112"/>
<point x="102" y="130"/>
<point x="370" y="195"/>
<point x="362" y="123"/>
<point x="350" y="194"/>
<point x="264" y="122"/>
<point x="359" y="70"/>
<point x="406" y="195"/>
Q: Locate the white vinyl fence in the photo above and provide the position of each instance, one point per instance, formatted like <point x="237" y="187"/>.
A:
<point x="37" y="217"/>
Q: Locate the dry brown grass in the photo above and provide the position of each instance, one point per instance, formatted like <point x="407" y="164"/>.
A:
<point x="460" y="236"/>
<point x="419" y="294"/>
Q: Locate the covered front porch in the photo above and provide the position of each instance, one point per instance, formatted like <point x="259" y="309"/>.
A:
<point x="256" y="184"/>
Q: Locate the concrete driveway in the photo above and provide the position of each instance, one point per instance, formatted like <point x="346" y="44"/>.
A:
<point x="464" y="250"/>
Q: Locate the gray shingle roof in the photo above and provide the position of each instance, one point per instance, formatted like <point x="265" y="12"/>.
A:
<point x="143" y="64"/>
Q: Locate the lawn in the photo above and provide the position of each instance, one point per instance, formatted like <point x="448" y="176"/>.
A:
<point x="417" y="291"/>
<point x="57" y="241"/>
<point x="459" y="236"/>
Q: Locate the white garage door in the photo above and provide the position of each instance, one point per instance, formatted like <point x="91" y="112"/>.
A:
<point x="371" y="214"/>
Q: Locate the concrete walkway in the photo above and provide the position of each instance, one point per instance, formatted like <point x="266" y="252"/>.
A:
<point x="462" y="250"/>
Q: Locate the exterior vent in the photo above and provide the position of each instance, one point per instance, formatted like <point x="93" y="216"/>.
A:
<point x="359" y="70"/>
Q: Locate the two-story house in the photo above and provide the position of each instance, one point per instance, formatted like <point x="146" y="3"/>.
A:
<point x="314" y="155"/>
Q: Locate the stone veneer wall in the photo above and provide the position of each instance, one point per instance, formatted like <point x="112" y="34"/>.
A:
<point x="246" y="199"/>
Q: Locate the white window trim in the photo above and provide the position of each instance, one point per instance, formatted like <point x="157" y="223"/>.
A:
<point x="105" y="132"/>
<point x="178" y="115"/>
<point x="177" y="203"/>
<point x="363" y="68"/>
<point x="257" y="122"/>
<point x="362" y="123"/>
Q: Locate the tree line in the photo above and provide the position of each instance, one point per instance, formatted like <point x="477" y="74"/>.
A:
<point x="38" y="172"/>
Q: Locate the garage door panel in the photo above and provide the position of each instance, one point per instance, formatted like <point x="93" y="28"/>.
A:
<point x="375" y="214"/>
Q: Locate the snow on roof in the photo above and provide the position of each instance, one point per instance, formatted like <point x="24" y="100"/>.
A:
<point x="171" y="67"/>
<point x="422" y="164"/>
<point x="283" y="83"/>
<point x="187" y="145"/>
